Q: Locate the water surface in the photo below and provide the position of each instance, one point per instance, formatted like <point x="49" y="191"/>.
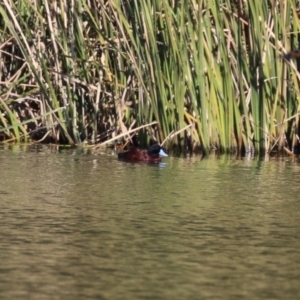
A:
<point x="76" y="225"/>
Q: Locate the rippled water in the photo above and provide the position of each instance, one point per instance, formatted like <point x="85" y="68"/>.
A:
<point x="82" y="226"/>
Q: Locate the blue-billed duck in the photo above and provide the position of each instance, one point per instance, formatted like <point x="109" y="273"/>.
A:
<point x="152" y="155"/>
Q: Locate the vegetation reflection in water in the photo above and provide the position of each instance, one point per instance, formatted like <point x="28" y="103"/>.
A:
<point x="102" y="228"/>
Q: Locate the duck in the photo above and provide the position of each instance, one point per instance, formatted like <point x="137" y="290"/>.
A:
<point x="151" y="155"/>
<point x="292" y="54"/>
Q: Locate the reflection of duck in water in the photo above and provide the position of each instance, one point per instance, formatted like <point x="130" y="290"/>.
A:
<point x="292" y="54"/>
<point x="152" y="155"/>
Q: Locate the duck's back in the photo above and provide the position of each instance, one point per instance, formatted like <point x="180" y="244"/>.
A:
<point x="135" y="155"/>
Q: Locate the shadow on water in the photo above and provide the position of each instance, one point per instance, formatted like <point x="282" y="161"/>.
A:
<point x="76" y="225"/>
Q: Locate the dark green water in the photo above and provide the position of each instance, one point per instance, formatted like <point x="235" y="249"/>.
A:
<point x="82" y="226"/>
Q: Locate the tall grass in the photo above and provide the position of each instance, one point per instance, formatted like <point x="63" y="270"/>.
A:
<point x="88" y="71"/>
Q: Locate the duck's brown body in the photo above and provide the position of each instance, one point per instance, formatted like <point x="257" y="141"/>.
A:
<point x="152" y="155"/>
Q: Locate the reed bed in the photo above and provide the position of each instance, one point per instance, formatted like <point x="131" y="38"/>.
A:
<point x="206" y="74"/>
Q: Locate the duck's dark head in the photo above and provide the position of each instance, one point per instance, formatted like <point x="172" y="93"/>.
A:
<point x="156" y="149"/>
<point x="292" y="54"/>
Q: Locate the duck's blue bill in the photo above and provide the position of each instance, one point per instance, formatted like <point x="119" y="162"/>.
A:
<point x="162" y="153"/>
